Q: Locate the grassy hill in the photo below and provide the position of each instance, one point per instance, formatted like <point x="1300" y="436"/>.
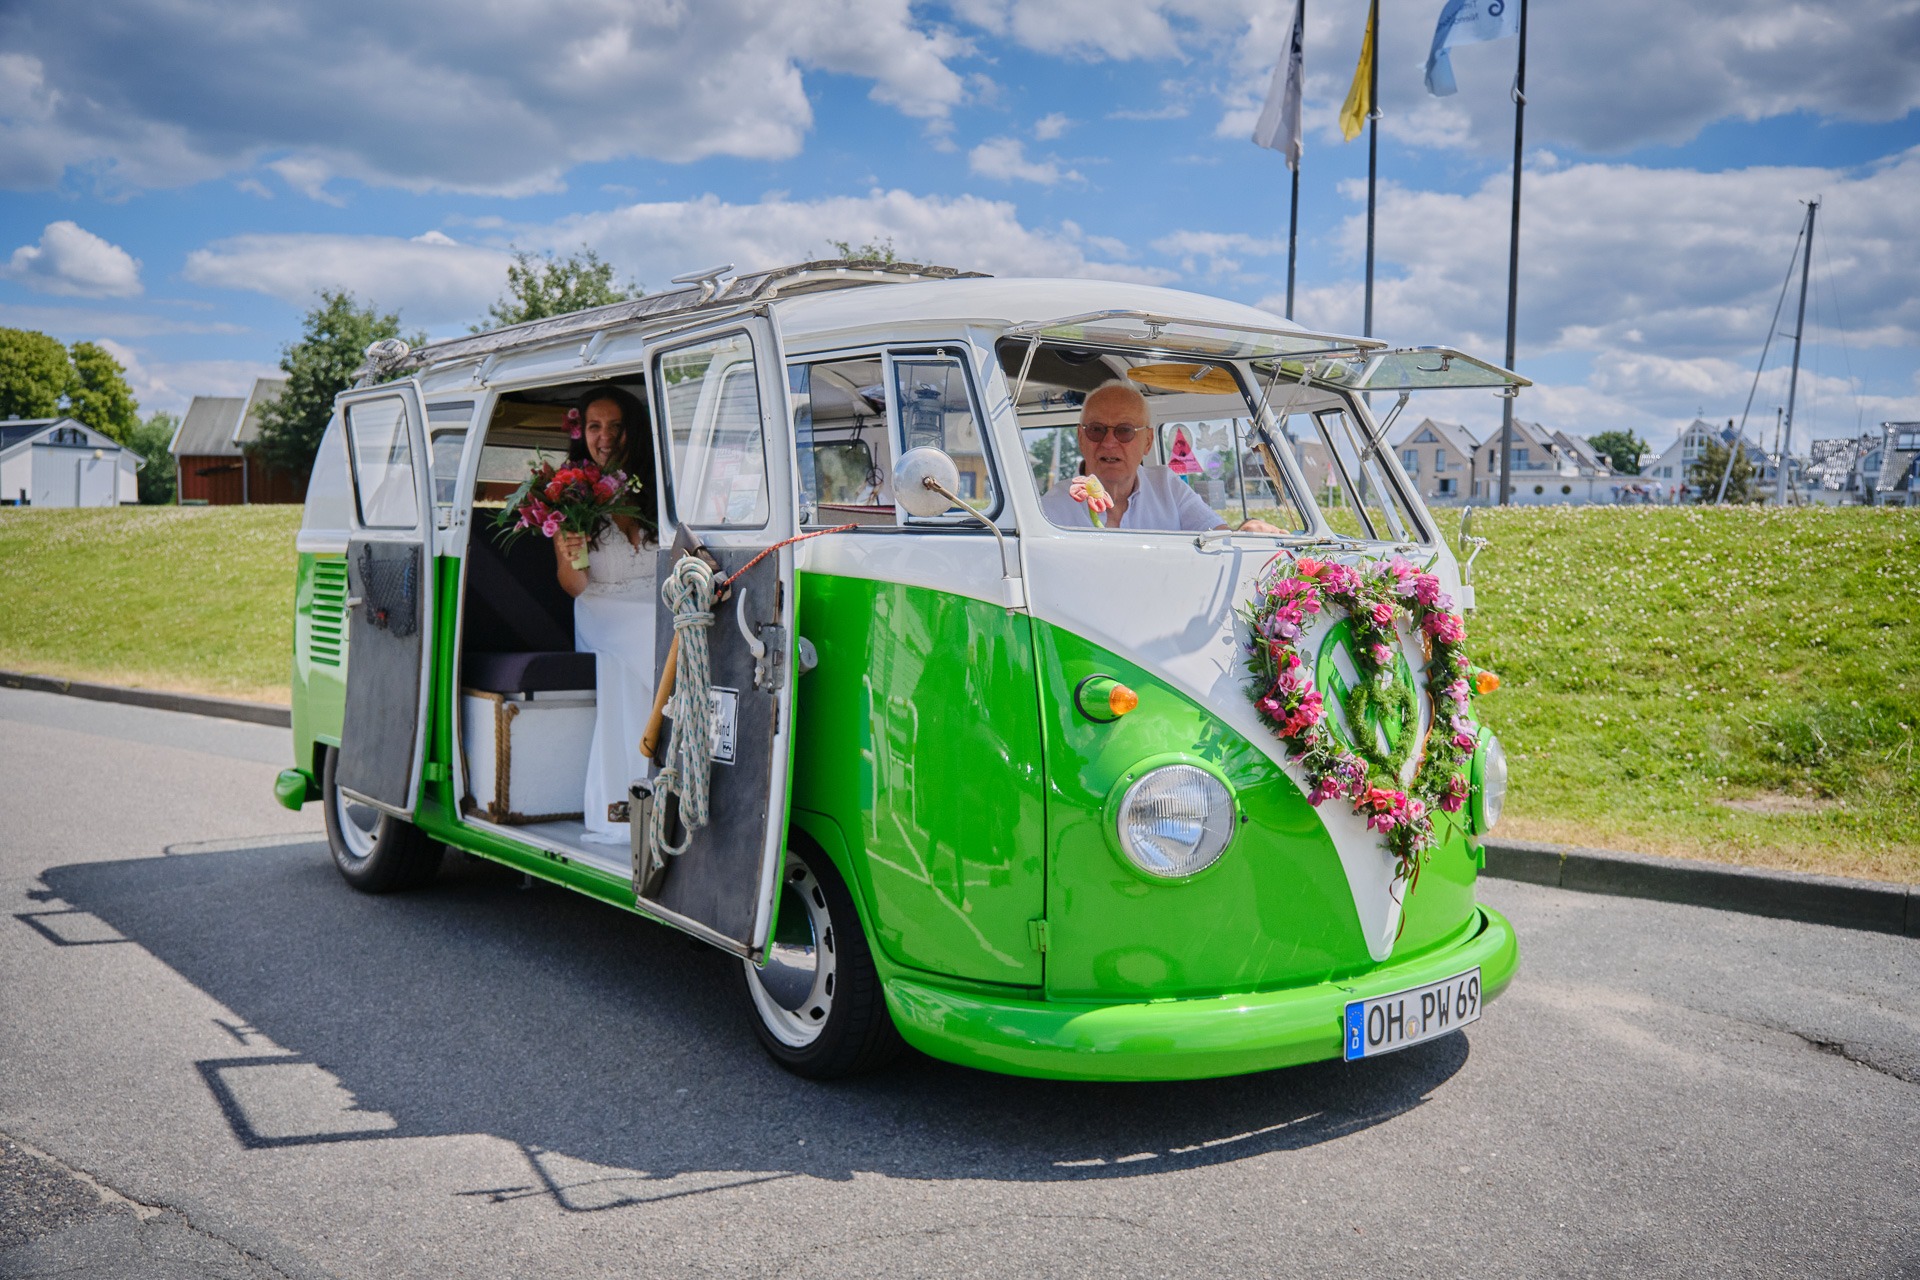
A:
<point x="1733" y="684"/>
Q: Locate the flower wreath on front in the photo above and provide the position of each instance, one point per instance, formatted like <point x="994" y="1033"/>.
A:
<point x="1281" y="687"/>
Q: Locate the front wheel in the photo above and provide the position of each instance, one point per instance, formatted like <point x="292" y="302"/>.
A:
<point x="817" y="1002"/>
<point x="374" y="851"/>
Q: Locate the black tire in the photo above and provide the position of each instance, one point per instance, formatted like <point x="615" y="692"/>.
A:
<point x="817" y="1005"/>
<point x="375" y="852"/>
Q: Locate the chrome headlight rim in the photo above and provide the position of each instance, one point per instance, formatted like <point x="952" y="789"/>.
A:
<point x="1127" y="785"/>
<point x="1489" y="757"/>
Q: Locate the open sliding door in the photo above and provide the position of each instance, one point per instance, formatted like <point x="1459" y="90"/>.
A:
<point x="389" y="599"/>
<point x="720" y="418"/>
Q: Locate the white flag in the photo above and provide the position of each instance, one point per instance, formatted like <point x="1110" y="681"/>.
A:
<point x="1279" y="126"/>
<point x="1467" y="22"/>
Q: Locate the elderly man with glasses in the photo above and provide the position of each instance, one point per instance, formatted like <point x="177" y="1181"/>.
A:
<point x="1115" y="433"/>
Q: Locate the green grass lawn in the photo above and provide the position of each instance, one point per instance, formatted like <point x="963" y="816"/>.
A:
<point x="193" y="598"/>
<point x="1741" y="685"/>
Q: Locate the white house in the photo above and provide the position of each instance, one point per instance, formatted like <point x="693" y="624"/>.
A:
<point x="1548" y="467"/>
<point x="62" y="462"/>
<point x="1439" y="458"/>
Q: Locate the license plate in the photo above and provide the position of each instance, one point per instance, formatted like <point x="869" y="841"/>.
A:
<point x="1386" y="1023"/>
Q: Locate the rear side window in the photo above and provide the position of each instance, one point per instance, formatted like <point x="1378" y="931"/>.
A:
<point x="382" y="452"/>
<point x="717" y="445"/>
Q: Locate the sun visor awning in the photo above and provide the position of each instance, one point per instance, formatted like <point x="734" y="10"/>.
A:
<point x="1176" y="335"/>
<point x="1407" y="369"/>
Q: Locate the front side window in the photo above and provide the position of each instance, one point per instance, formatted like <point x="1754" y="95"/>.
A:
<point x="845" y="443"/>
<point x="717" y="444"/>
<point x="1372" y="505"/>
<point x="382" y="452"/>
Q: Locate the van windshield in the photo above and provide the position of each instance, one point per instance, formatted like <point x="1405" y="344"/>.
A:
<point x="1200" y="463"/>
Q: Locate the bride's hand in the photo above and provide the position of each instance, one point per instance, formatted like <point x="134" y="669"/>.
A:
<point x="569" y="546"/>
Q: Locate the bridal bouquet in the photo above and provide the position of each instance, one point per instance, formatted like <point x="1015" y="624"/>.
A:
<point x="570" y="497"/>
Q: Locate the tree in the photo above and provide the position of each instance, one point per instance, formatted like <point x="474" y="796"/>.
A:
<point x="150" y="440"/>
<point x="538" y="287"/>
<point x="871" y="251"/>
<point x="1623" y="451"/>
<point x="99" y="395"/>
<point x="35" y="374"/>
<point x="320" y="366"/>
<point x="1707" y="469"/>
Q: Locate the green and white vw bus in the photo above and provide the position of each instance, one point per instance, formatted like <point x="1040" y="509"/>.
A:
<point x="991" y="786"/>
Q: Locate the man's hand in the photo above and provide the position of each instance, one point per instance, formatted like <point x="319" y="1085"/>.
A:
<point x="1258" y="526"/>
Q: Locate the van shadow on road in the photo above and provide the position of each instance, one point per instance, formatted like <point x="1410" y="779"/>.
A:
<point x="617" y="1054"/>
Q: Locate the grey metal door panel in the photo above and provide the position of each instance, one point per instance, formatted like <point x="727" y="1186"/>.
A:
<point x="717" y="881"/>
<point x="379" y="732"/>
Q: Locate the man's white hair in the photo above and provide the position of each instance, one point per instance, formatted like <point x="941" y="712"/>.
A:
<point x="1118" y="386"/>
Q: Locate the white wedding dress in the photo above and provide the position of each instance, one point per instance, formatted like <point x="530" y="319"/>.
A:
<point x="613" y="620"/>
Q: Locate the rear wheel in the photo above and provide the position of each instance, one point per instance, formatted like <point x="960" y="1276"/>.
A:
<point x="817" y="1002"/>
<point x="374" y="851"/>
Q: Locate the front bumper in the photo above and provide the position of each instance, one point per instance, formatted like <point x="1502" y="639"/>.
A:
<point x="1177" y="1039"/>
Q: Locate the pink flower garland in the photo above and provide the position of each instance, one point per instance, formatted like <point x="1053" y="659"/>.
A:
<point x="1284" y="696"/>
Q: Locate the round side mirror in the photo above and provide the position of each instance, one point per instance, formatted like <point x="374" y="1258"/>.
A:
<point x="911" y="474"/>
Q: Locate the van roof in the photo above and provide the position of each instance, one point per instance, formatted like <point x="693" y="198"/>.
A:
<point x="825" y="300"/>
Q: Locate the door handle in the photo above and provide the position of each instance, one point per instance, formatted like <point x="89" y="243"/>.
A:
<point x="354" y="602"/>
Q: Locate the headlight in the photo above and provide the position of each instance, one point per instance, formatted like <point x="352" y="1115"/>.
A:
<point x="1175" y="821"/>
<point x="1490" y="784"/>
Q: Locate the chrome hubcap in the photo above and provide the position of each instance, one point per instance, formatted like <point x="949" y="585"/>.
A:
<point x="793" y="993"/>
<point x="358" y="824"/>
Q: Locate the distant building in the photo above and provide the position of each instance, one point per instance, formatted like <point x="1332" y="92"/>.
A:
<point x="1547" y="467"/>
<point x="62" y="462"/>
<point x="1439" y="457"/>
<point x="1674" y="466"/>
<point x="1835" y="462"/>
<point x="210" y="457"/>
<point x="1889" y="471"/>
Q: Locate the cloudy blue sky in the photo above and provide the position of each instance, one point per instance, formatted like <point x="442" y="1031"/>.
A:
<point x="182" y="176"/>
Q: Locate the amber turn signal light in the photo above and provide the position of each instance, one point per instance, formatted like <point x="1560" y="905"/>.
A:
<point x="1485" y="681"/>
<point x="1102" y="699"/>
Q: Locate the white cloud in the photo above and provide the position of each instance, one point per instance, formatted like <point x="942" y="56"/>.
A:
<point x="443" y="284"/>
<point x="438" y="94"/>
<point x="1223" y="251"/>
<point x="433" y="280"/>
<point x="73" y="262"/>
<point x="1661" y="281"/>
<point x="77" y="323"/>
<point x="172" y="385"/>
<point x="1005" y="159"/>
<point x="1051" y="126"/>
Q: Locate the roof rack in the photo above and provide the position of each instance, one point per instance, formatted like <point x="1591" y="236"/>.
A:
<point x="706" y="291"/>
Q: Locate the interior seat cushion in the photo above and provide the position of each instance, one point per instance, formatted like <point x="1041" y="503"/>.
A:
<point x="537" y="672"/>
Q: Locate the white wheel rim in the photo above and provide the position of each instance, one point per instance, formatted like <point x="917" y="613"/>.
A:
<point x="357" y="823"/>
<point x="793" y="993"/>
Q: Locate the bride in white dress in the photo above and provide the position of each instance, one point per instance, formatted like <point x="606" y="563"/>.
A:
<point x="614" y="600"/>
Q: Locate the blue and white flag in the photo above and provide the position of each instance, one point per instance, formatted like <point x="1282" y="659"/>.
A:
<point x="1279" y="123"/>
<point x="1467" y="22"/>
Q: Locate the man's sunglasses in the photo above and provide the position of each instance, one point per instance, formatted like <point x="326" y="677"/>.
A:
<point x="1124" y="435"/>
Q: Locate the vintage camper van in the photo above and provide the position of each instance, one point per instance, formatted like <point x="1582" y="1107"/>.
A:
<point x="1003" y="784"/>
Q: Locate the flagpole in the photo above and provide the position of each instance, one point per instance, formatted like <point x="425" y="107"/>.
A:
<point x="1513" y="249"/>
<point x="1373" y="142"/>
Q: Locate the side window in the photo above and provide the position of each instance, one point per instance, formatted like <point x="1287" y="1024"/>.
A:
<point x="382" y="454"/>
<point x="930" y="395"/>
<point x="446" y="442"/>
<point x="1378" y="512"/>
<point x="719" y="452"/>
<point x="846" y="448"/>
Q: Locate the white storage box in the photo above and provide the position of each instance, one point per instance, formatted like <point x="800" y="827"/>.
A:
<point x="527" y="756"/>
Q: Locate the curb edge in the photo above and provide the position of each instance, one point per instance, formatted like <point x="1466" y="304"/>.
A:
<point x="198" y="704"/>
<point x="1870" y="905"/>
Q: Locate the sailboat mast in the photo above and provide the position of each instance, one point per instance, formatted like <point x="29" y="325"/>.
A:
<point x="1793" y="379"/>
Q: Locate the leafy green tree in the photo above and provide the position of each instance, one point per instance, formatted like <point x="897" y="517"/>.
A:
<point x="1623" y="451"/>
<point x="333" y="342"/>
<point x="1704" y="475"/>
<point x="35" y="374"/>
<point x="872" y="250"/>
<point x="538" y="287"/>
<point x="150" y="440"/>
<point x="99" y="395"/>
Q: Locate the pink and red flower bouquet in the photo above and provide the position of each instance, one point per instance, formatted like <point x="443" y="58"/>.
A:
<point x="570" y="497"/>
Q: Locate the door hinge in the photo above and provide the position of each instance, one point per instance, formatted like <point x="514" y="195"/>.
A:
<point x="436" y="772"/>
<point x="1037" y="935"/>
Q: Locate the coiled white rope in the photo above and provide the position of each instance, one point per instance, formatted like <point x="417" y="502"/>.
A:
<point x="688" y="592"/>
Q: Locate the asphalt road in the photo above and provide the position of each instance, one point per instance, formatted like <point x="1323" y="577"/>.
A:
<point x="217" y="1060"/>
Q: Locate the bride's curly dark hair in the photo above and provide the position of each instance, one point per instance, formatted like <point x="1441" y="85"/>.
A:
<point x="639" y="432"/>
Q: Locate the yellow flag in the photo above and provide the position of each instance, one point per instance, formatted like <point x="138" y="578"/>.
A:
<point x="1353" y="113"/>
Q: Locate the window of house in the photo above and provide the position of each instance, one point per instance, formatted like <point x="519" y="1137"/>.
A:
<point x="1439" y="459"/>
<point x="1520" y="458"/>
<point x="1410" y="459"/>
<point x="1449" y="487"/>
<point x="1907" y="440"/>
